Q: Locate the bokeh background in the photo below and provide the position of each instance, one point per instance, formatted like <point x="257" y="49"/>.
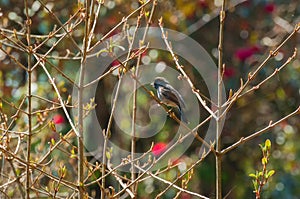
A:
<point x="252" y="29"/>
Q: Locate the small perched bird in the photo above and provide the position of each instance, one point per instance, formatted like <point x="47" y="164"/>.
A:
<point x="169" y="95"/>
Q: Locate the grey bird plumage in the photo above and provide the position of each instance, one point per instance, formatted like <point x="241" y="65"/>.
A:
<point x="169" y="95"/>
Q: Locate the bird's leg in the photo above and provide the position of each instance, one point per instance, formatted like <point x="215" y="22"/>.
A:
<point x="171" y="113"/>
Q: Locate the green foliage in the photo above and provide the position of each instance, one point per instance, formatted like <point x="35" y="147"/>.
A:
<point x="260" y="178"/>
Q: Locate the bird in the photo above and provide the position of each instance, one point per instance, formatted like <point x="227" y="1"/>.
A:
<point x="169" y="95"/>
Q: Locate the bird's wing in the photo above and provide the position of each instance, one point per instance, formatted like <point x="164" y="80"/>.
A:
<point x="170" y="93"/>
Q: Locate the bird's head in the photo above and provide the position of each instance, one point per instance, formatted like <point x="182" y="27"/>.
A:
<point x="159" y="81"/>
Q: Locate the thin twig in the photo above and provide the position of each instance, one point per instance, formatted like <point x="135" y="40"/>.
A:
<point x="183" y="174"/>
<point x="34" y="167"/>
<point x="28" y="38"/>
<point x="218" y="156"/>
<point x="253" y="74"/>
<point x="264" y="130"/>
<point x="133" y="133"/>
<point x="170" y="113"/>
<point x="179" y="140"/>
<point x="119" y="24"/>
<point x="59" y="97"/>
<point x="80" y="138"/>
<point x="276" y="71"/>
<point x="134" y="102"/>
<point x="14" y="116"/>
<point x="61" y="25"/>
<point x="180" y="68"/>
<point x="120" y="181"/>
<point x="17" y="179"/>
<point x="173" y="185"/>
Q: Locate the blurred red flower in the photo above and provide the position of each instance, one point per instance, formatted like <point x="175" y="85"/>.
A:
<point x="159" y="148"/>
<point x="203" y="3"/>
<point x="115" y="63"/>
<point x="243" y="53"/>
<point x="269" y="7"/>
<point x="58" y="119"/>
<point x="229" y="72"/>
<point x="185" y="196"/>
